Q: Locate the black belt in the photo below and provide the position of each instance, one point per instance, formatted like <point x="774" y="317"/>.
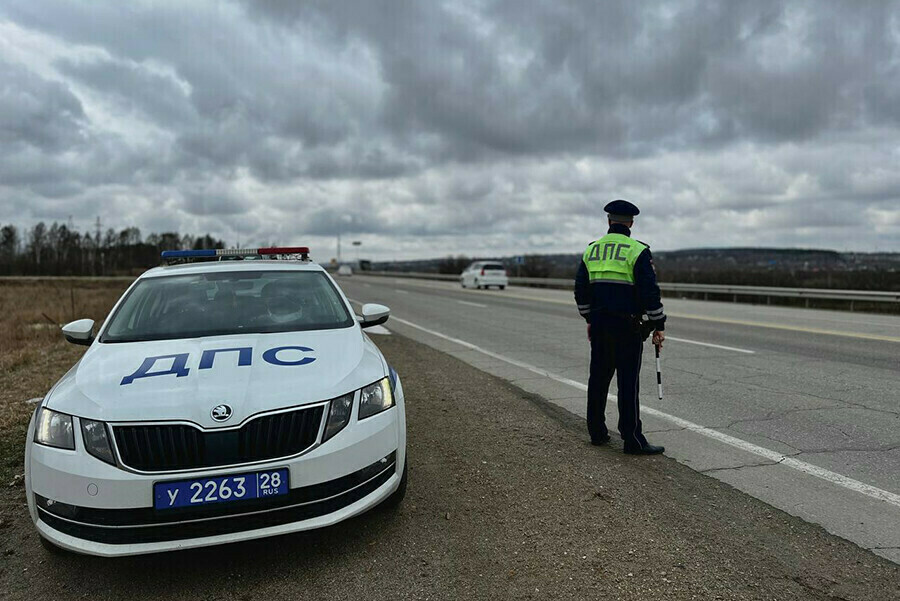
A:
<point x="644" y="327"/>
<point x="628" y="316"/>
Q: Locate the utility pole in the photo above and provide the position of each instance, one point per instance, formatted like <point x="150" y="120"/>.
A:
<point x="99" y="253"/>
<point x="341" y="220"/>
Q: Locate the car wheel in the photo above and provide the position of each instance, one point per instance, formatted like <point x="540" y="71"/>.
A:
<point x="502" y="287"/>
<point x="396" y="497"/>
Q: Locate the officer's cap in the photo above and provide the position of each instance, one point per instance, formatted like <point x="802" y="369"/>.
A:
<point x="621" y="210"/>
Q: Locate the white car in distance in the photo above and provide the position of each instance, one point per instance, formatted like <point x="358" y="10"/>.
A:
<point x="484" y="274"/>
<point x="220" y="401"/>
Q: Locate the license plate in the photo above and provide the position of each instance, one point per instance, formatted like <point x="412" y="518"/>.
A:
<point x="222" y="489"/>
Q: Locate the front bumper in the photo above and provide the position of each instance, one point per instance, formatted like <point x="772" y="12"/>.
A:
<point x="100" y="509"/>
<point x="128" y="531"/>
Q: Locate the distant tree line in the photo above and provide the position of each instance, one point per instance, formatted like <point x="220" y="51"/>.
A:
<point x="533" y="266"/>
<point x="62" y="250"/>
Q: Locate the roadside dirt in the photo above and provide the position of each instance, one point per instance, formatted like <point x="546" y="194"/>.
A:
<point x="33" y="354"/>
<point x="507" y="500"/>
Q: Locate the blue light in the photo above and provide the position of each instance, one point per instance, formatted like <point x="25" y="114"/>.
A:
<point x="185" y="254"/>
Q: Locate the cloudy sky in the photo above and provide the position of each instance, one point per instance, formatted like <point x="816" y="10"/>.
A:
<point x="471" y="126"/>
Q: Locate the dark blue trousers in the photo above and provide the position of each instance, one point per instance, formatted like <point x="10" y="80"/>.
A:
<point x="616" y="347"/>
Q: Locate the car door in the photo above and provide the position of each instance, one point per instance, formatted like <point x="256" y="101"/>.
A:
<point x="467" y="276"/>
<point x="478" y="275"/>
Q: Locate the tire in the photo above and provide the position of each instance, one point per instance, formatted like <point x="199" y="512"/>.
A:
<point x="393" y="501"/>
<point x="502" y="287"/>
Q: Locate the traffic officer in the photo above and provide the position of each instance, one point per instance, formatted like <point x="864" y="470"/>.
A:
<point x="616" y="285"/>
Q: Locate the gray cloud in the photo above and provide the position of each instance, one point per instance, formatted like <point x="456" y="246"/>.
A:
<point x="468" y="126"/>
<point x="37" y="112"/>
<point x="136" y="87"/>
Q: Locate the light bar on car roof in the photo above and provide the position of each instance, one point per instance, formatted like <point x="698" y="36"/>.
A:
<point x="303" y="251"/>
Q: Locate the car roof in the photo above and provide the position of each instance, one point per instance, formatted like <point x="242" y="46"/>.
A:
<point x="214" y="266"/>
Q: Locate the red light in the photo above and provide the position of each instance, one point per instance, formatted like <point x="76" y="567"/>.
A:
<point x="482" y="271"/>
<point x="284" y="250"/>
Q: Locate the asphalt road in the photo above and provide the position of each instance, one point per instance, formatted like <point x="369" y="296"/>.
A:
<point x="799" y="408"/>
<point x="506" y="500"/>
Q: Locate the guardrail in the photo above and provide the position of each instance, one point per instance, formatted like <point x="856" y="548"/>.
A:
<point x="671" y="288"/>
<point x="852" y="296"/>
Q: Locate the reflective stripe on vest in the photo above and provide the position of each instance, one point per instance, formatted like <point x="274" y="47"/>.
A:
<point x="611" y="259"/>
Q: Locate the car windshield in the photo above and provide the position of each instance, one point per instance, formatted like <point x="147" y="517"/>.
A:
<point x="494" y="267"/>
<point x="239" y="302"/>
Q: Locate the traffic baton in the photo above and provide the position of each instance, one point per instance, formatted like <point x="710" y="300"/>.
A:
<point x="658" y="373"/>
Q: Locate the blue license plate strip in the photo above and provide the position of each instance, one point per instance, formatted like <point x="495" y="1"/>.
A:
<point x="220" y="489"/>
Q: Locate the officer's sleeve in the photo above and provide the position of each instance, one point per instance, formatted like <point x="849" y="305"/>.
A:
<point x="648" y="290"/>
<point x="583" y="291"/>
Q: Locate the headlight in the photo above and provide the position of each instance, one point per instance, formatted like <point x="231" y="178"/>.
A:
<point x="54" y="429"/>
<point x="339" y="411"/>
<point x="96" y="440"/>
<point x="375" y="398"/>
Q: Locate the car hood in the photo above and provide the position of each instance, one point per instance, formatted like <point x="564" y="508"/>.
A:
<point x="107" y="384"/>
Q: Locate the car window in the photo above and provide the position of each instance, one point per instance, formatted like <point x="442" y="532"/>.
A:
<point x="212" y="304"/>
<point x="496" y="266"/>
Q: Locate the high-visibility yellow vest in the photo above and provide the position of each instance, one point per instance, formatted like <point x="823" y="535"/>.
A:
<point x="611" y="259"/>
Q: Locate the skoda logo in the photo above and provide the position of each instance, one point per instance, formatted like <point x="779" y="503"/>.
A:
<point x="221" y="413"/>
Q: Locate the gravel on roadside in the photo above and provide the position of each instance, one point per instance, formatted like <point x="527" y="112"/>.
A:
<point x="507" y="500"/>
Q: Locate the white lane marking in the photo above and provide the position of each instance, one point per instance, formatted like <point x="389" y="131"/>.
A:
<point x="462" y="302"/>
<point x="727" y="348"/>
<point x="469" y="345"/>
<point x="398" y="291"/>
<point x="774" y="456"/>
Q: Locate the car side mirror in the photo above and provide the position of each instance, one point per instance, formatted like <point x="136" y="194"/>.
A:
<point x="373" y="315"/>
<point x="79" y="332"/>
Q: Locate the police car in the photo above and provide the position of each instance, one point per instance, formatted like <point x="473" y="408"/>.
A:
<point x="221" y="400"/>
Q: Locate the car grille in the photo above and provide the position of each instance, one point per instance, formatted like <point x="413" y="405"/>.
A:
<point x="168" y="447"/>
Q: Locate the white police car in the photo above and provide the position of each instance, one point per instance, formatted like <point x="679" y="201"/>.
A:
<point x="220" y="401"/>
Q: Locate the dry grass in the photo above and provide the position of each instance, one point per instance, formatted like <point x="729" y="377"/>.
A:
<point x="33" y="353"/>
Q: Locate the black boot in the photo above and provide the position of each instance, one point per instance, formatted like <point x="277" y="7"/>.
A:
<point x="601" y="440"/>
<point x="647" y="449"/>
